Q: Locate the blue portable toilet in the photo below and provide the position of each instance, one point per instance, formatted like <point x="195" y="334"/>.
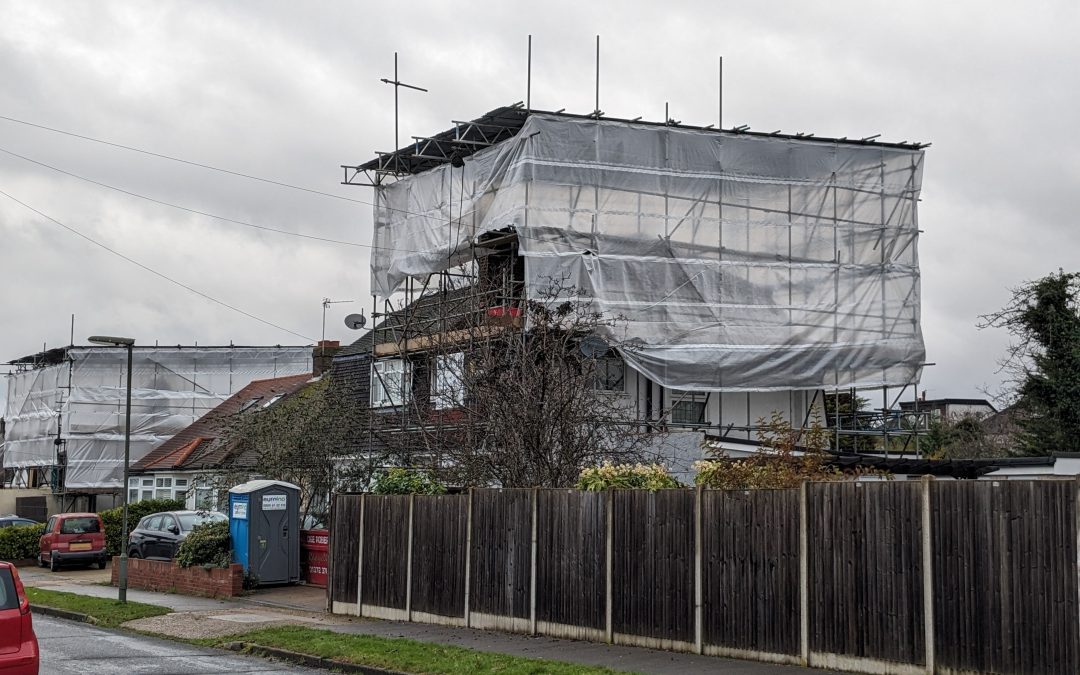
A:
<point x="264" y="524"/>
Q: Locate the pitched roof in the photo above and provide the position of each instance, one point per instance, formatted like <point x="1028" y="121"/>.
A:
<point x="193" y="443"/>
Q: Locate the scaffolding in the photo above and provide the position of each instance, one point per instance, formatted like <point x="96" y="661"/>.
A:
<point x="736" y="261"/>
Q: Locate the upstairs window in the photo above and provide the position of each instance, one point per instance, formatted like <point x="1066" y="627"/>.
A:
<point x="447" y="384"/>
<point x="688" y="407"/>
<point x="391" y="382"/>
<point x="610" y="374"/>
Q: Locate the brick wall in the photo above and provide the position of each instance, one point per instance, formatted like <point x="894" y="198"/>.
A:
<point x="160" y="575"/>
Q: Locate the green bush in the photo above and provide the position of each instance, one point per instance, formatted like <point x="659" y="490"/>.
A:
<point x="407" y="482"/>
<point x="20" y="541"/>
<point x="207" y="545"/>
<point x="113" y="518"/>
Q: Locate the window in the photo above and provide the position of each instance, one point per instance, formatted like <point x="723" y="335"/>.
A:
<point x="164" y="482"/>
<point x="152" y="523"/>
<point x="9" y="597"/>
<point x="147" y="494"/>
<point x="447" y="387"/>
<point x="163" y="494"/>
<point x="133" y="495"/>
<point x="133" y="482"/>
<point x="391" y="382"/>
<point x="610" y="374"/>
<point x="249" y="403"/>
<point x="204" y="499"/>
<point x="148" y="482"/>
<point x="181" y="482"/>
<point x="688" y="407"/>
<point x="79" y="525"/>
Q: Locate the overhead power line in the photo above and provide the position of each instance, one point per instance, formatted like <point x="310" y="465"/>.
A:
<point x="155" y="272"/>
<point x="191" y="210"/>
<point x="185" y="161"/>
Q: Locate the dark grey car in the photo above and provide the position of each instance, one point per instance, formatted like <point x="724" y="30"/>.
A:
<point x="158" y="535"/>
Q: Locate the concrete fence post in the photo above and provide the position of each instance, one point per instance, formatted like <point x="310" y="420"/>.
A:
<point x="804" y="575"/>
<point x="532" y="564"/>
<point x="408" y="561"/>
<point x="360" y="562"/>
<point x="609" y="633"/>
<point x="468" y="559"/>
<point x="927" y="574"/>
<point x="699" y="611"/>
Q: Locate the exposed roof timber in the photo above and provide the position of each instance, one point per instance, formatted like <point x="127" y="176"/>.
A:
<point x="465" y="138"/>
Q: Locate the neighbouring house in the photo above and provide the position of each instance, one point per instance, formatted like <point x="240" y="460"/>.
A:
<point x="65" y="417"/>
<point x="950" y="408"/>
<point x="185" y="466"/>
<point x="749" y="272"/>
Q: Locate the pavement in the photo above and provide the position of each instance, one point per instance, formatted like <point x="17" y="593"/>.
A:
<point x="195" y="617"/>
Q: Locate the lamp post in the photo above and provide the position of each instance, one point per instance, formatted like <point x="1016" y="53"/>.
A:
<point x="122" y="572"/>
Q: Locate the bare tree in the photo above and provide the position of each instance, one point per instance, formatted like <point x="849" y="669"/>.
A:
<point x="523" y="396"/>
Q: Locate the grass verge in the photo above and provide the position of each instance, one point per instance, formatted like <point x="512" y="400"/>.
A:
<point x="400" y="654"/>
<point x="105" y="612"/>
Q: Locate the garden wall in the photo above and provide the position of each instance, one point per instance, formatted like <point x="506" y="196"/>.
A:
<point x="160" y="575"/>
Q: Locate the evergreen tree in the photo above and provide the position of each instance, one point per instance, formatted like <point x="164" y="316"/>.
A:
<point x="1044" y="362"/>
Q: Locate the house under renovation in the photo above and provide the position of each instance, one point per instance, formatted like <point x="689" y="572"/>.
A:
<point x="749" y="272"/>
<point x="65" y="418"/>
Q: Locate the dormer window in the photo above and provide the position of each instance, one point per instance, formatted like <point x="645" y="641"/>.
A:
<point x="391" y="382"/>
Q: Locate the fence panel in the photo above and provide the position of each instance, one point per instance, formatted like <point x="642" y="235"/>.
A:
<point x="571" y="578"/>
<point x="750" y="570"/>
<point x="386" y="539"/>
<point x="344" y="547"/>
<point x="501" y="553"/>
<point x="653" y="564"/>
<point x="438" y="554"/>
<point x="865" y="565"/>
<point x="1005" y="576"/>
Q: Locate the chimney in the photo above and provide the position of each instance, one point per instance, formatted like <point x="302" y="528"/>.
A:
<point x="323" y="355"/>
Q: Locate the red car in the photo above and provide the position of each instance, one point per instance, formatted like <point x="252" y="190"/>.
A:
<point x="18" y="645"/>
<point x="73" y="538"/>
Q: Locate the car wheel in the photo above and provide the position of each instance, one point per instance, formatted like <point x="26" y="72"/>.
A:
<point x="54" y="564"/>
<point x="40" y="561"/>
<point x="101" y="564"/>
<point x="134" y="553"/>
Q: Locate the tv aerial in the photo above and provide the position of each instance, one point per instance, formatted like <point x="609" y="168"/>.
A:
<point x="356" y="321"/>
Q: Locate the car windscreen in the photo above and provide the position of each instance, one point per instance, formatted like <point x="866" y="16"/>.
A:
<point x="9" y="599"/>
<point x="79" y="525"/>
<point x="190" y="520"/>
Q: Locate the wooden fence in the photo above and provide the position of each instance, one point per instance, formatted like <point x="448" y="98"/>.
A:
<point x="882" y="577"/>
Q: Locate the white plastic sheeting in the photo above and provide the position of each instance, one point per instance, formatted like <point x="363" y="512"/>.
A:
<point x="733" y="262"/>
<point x="171" y="388"/>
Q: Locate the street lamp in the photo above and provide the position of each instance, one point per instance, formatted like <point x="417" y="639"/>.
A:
<point x="129" y="343"/>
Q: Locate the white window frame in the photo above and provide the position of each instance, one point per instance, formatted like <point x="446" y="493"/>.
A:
<point x="447" y="383"/>
<point x="391" y="382"/>
<point x="690" y="399"/>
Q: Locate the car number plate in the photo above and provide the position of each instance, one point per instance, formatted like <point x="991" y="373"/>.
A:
<point x="81" y="546"/>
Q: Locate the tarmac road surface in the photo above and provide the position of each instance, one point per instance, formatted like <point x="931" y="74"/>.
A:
<point x="71" y="647"/>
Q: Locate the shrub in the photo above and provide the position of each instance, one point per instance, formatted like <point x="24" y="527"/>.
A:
<point x="113" y="518"/>
<point x="407" y="482"/>
<point x="207" y="545"/>
<point x="20" y="541"/>
<point x="651" y="477"/>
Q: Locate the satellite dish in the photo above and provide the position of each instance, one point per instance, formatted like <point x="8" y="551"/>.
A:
<point x="593" y="347"/>
<point x="355" y="321"/>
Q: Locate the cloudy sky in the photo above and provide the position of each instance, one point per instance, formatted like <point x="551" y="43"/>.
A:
<point x="288" y="91"/>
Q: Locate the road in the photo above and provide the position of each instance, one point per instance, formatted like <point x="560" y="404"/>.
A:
<point x="70" y="647"/>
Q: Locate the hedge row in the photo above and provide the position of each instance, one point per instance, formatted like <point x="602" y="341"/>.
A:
<point x="20" y="542"/>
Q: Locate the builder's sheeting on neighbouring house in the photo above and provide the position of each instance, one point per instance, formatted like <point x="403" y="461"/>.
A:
<point x="734" y="262"/>
<point x="81" y="401"/>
